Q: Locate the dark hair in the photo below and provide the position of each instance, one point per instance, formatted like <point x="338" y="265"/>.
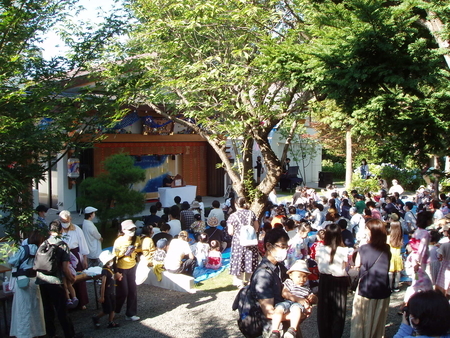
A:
<point x="320" y="207"/>
<point x="175" y="211"/>
<point x="158" y="205"/>
<point x="163" y="226"/>
<point x="198" y="217"/>
<point x="242" y="203"/>
<point x="435" y="236"/>
<point x="153" y="209"/>
<point x="370" y="204"/>
<point x="367" y="212"/>
<point x="346" y="202"/>
<point x="435" y="204"/>
<point x="147" y="231"/>
<point x="86" y="216"/>
<point x="274" y="235"/>
<point x="166" y="210"/>
<point x="185" y="205"/>
<point x="55" y="226"/>
<point x="378" y="234"/>
<point x="332" y="215"/>
<point x="292" y="209"/>
<point x="431" y="308"/>
<point x="423" y="218"/>
<point x="177" y="199"/>
<point x="215" y="204"/>
<point x="215" y="244"/>
<point x="343" y="223"/>
<point x="266" y="226"/>
<point x="36" y="237"/>
<point x="198" y="198"/>
<point x="203" y="237"/>
<point x="410" y="205"/>
<point x="333" y="239"/>
<point x="395" y="235"/>
<point x="164" y="218"/>
<point x="290" y="224"/>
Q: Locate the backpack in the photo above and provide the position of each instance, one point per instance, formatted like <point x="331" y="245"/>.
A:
<point x="247" y="234"/>
<point x="45" y="260"/>
<point x="251" y="318"/>
<point x="28" y="272"/>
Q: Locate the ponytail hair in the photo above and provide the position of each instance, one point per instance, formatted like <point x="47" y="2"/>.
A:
<point x="242" y="203"/>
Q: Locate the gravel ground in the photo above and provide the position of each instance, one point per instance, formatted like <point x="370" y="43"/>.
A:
<point x="166" y="313"/>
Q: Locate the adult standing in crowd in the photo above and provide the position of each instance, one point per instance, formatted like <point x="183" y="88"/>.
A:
<point x="41" y="211"/>
<point x="259" y="169"/>
<point x="167" y="181"/>
<point x="371" y="300"/>
<point x="244" y="259"/>
<point x="74" y="237"/>
<point x="267" y="283"/>
<point x="332" y="260"/>
<point x="52" y="289"/>
<point x="27" y="313"/>
<point x="126" y="246"/>
<point x="93" y="238"/>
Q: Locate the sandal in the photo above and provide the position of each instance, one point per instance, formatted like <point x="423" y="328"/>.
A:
<point x="112" y="325"/>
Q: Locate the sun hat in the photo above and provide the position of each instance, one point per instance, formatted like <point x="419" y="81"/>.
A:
<point x="445" y="227"/>
<point x="299" y="265"/>
<point x="128" y="225"/>
<point x="89" y="210"/>
<point x="106" y="256"/>
<point x="195" y="205"/>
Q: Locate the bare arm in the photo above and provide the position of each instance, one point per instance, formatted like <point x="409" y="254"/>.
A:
<point x="102" y="291"/>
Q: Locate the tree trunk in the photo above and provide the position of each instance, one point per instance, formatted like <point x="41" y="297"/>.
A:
<point x="436" y="28"/>
<point x="348" y="157"/>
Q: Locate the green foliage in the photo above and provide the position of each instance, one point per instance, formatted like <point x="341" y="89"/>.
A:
<point x="111" y="192"/>
<point x="40" y="116"/>
<point x="409" y="179"/>
<point x="364" y="185"/>
<point x="338" y="169"/>
<point x="445" y="185"/>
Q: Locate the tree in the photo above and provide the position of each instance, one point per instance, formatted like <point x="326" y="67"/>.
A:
<point x="112" y="192"/>
<point x="383" y="69"/>
<point x="40" y="116"/>
<point x="222" y="68"/>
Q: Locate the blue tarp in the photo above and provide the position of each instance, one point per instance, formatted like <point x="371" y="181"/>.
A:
<point x="201" y="274"/>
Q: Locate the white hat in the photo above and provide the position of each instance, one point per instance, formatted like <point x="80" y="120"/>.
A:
<point x="89" y="210"/>
<point x="106" y="256"/>
<point x="169" y="173"/>
<point x="128" y="225"/>
<point x="299" y="265"/>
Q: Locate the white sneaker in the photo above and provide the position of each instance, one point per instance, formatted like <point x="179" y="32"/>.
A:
<point x="132" y="318"/>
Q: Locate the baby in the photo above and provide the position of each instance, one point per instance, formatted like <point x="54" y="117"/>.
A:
<point x="296" y="288"/>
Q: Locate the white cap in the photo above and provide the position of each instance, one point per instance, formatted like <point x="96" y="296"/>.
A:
<point x="89" y="210"/>
<point x="128" y="225"/>
<point x="106" y="256"/>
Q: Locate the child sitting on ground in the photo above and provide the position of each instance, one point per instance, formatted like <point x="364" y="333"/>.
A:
<point x="201" y="249"/>
<point x="70" y="291"/>
<point x="295" y="288"/>
<point x="214" y="260"/>
<point x="107" y="294"/>
<point x="198" y="226"/>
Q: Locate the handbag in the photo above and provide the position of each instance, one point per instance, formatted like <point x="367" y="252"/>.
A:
<point x="22" y="282"/>
<point x="247" y="235"/>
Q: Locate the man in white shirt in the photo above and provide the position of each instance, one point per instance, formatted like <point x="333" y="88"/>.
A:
<point x="93" y="237"/>
<point x="395" y="188"/>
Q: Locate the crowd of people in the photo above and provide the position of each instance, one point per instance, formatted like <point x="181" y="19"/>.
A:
<point x="302" y="254"/>
<point x="381" y="239"/>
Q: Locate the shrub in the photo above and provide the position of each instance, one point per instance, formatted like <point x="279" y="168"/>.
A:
<point x="338" y="169"/>
<point x="364" y="185"/>
<point x="409" y="179"/>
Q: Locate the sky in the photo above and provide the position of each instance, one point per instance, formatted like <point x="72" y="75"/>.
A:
<point x="53" y="46"/>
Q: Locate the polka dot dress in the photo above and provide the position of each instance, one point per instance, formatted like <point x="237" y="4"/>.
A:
<point x="243" y="258"/>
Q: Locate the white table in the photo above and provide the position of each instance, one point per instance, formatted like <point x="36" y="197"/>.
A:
<point x="187" y="193"/>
